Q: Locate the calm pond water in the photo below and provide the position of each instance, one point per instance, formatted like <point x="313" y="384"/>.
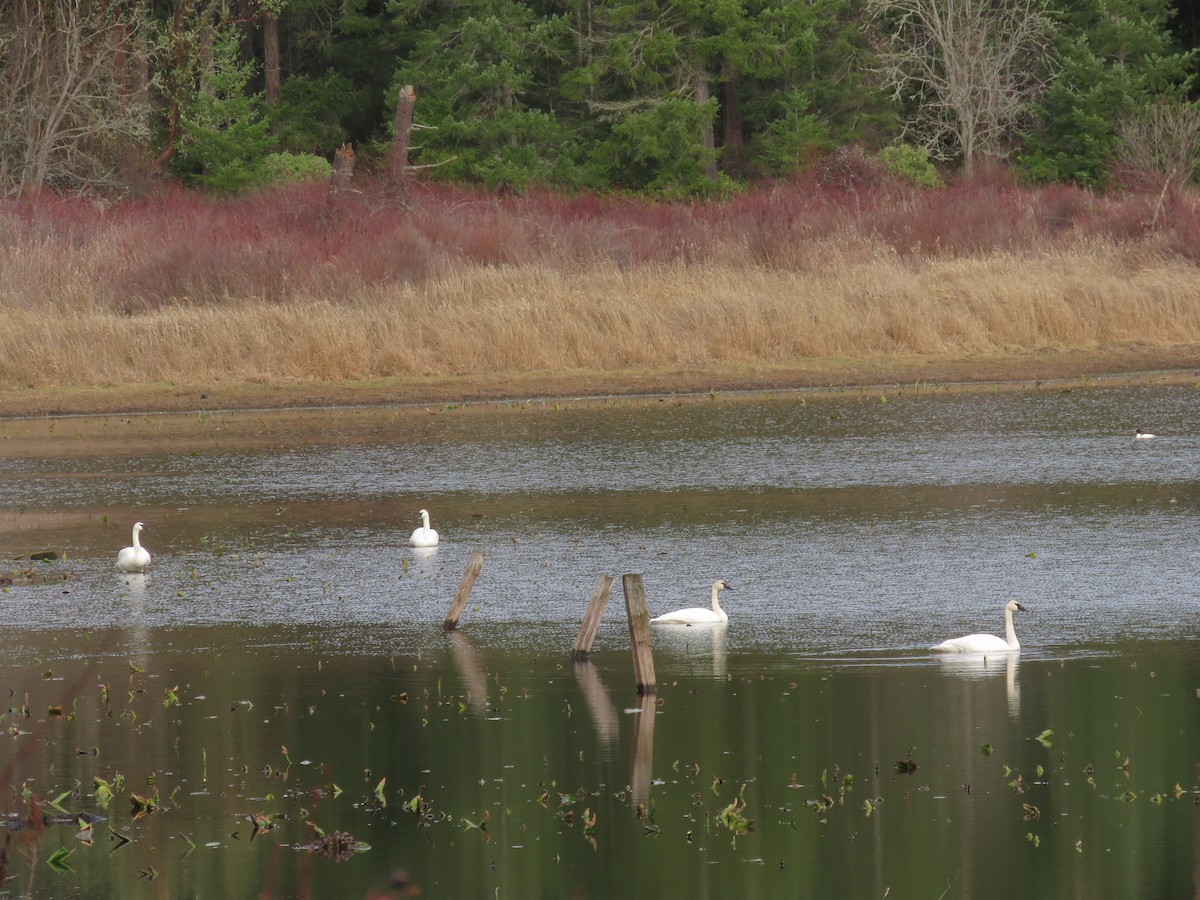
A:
<point x="284" y="664"/>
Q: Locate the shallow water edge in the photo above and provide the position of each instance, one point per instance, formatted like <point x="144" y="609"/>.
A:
<point x="1025" y="370"/>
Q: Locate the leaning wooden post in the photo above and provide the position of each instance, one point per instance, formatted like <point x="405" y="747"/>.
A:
<point x="639" y="633"/>
<point x="591" y="620"/>
<point x="474" y="564"/>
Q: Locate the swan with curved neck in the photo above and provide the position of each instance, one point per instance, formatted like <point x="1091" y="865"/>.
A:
<point x="987" y="643"/>
<point x="698" y="615"/>
<point x="135" y="558"/>
<point x="424" y="536"/>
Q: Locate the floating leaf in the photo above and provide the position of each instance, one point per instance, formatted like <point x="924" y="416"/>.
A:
<point x="58" y="860"/>
<point x="1046" y="738"/>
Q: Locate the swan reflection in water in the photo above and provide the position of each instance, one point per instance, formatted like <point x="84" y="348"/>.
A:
<point x="703" y="648"/>
<point x="137" y="638"/>
<point x="981" y="666"/>
<point x="136" y="582"/>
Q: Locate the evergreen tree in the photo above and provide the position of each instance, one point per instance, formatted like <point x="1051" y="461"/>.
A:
<point x="662" y="75"/>
<point x="483" y="71"/>
<point x="224" y="134"/>
<point x="1117" y="55"/>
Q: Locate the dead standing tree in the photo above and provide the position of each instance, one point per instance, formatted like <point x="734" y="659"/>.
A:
<point x="971" y="68"/>
<point x="398" y="163"/>
<point x="1161" y="144"/>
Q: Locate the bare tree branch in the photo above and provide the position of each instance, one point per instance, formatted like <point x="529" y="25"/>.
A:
<point x="1161" y="142"/>
<point x="65" y="111"/>
<point x="973" y="69"/>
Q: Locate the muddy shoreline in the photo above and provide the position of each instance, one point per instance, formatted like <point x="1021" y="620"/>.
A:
<point x="1175" y="365"/>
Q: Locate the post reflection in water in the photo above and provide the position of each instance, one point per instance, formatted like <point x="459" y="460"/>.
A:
<point x="600" y="707"/>
<point x="642" y="766"/>
<point x="466" y="660"/>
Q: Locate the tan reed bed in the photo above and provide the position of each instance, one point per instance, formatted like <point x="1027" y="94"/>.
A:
<point x="852" y="301"/>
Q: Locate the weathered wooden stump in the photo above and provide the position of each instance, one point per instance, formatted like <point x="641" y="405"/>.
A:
<point x="638" y="615"/>
<point x="591" y="619"/>
<point x="474" y="564"/>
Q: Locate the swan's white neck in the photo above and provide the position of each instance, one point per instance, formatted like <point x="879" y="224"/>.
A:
<point x="716" y="605"/>
<point x="1010" y="633"/>
<point x="425" y="518"/>
<point x="136" y="540"/>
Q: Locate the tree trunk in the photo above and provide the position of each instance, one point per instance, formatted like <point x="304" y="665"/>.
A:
<point x="707" y="138"/>
<point x="733" y="145"/>
<point x="271" y="59"/>
<point x="398" y="163"/>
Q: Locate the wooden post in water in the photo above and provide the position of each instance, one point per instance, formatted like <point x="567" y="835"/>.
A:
<point x="639" y="633"/>
<point x="474" y="564"/>
<point x="591" y="620"/>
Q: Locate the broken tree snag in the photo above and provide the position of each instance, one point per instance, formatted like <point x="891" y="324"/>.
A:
<point x="474" y="564"/>
<point x="639" y="633"/>
<point x="591" y="620"/>
<point x="343" y="169"/>
<point x="398" y="164"/>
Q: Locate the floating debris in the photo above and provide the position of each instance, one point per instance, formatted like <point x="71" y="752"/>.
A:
<point x="339" y="845"/>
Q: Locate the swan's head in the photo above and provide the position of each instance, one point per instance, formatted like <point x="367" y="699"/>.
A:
<point x="1013" y="606"/>
<point x="721" y="585"/>
<point x="138" y="526"/>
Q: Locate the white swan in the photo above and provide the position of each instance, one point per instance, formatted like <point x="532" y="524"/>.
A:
<point x="135" y="558"/>
<point x="1143" y="435"/>
<point x="697" y="615"/>
<point x="424" y="536"/>
<point x="987" y="643"/>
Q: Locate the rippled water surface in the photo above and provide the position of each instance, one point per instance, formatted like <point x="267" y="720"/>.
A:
<point x="285" y="610"/>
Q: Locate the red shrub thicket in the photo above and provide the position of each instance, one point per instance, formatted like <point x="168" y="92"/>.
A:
<point x="180" y="247"/>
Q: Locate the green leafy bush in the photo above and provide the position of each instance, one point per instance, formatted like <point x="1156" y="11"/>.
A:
<point x="911" y="164"/>
<point x="290" y="168"/>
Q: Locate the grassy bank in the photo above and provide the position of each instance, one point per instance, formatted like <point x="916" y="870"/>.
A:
<point x="428" y="295"/>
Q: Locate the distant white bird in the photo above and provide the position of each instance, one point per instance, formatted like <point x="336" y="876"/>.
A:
<point x="698" y="615"/>
<point x="424" y="536"/>
<point x="135" y="558"/>
<point x="1143" y="435"/>
<point x="987" y="643"/>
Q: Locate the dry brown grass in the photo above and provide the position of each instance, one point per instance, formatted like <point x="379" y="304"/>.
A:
<point x="461" y="296"/>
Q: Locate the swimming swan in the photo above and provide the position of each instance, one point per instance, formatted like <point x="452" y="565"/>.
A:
<point x="424" y="536"/>
<point x="987" y="643"/>
<point x="697" y="615"/>
<point x="135" y="558"/>
<point x="1143" y="435"/>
